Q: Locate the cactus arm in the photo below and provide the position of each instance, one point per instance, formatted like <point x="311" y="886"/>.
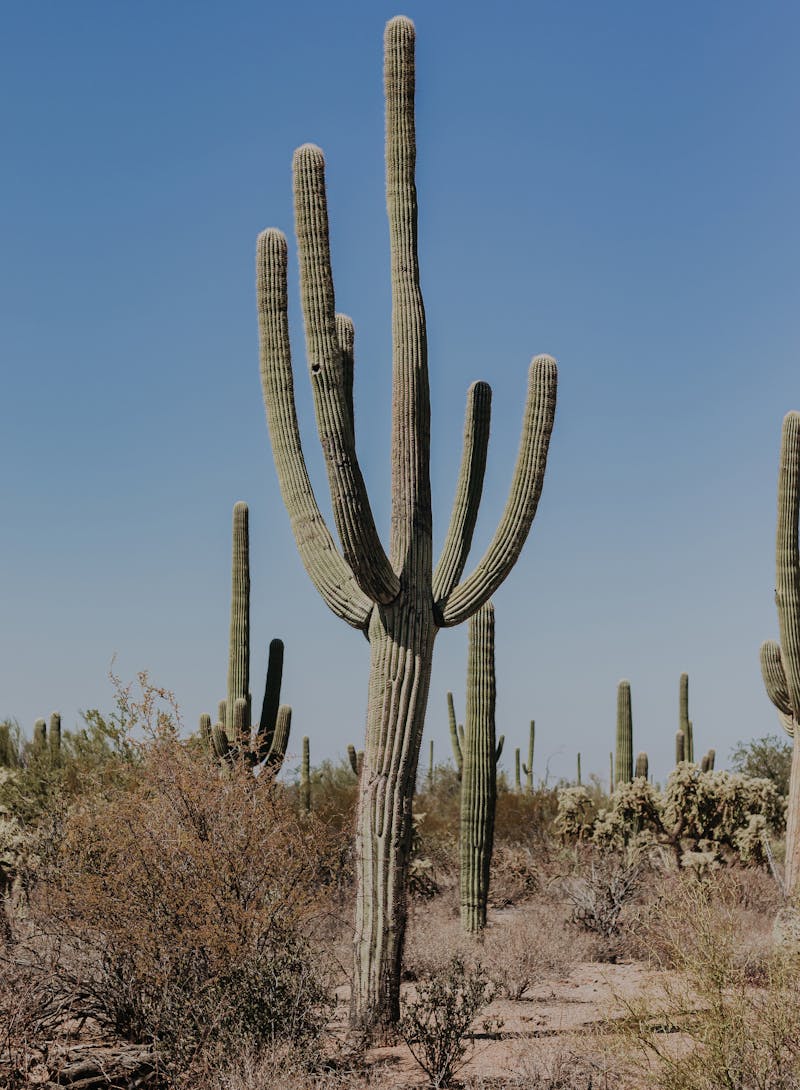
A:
<point x="712" y="756"/>
<point x="352" y="514"/>
<point x="501" y="741"/>
<point x="239" y="641"/>
<point x="774" y="676"/>
<point x="352" y="757"/>
<point x="680" y="747"/>
<point x="411" y="529"/>
<point x="787" y="555"/>
<point x="468" y="491"/>
<point x="526" y="488"/>
<point x="458" y="754"/>
<point x="346" y="337"/>
<point x="220" y="743"/>
<point x="205" y="732"/>
<point x="272" y="696"/>
<point x="39" y="737"/>
<point x="280" y="740"/>
<point x="327" y="570"/>
<point x="241" y="727"/>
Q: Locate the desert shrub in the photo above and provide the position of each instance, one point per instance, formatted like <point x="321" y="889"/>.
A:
<point x="436" y="1023"/>
<point x="526" y="818"/>
<point x="534" y="943"/>
<point x="736" y="1031"/>
<point x="177" y="909"/>
<point x="604" y="885"/>
<point x="767" y="758"/>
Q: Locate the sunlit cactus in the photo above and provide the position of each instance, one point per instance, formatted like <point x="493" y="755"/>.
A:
<point x="396" y="596"/>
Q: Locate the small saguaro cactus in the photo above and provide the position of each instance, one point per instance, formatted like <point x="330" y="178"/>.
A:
<point x="46" y="745"/>
<point x="528" y="768"/>
<point x="517" y="777"/>
<point x="430" y="765"/>
<point x="680" y="747"/>
<point x="232" y="737"/>
<point x="479" y="782"/>
<point x="780" y="662"/>
<point x="396" y="596"/>
<point x="305" y="777"/>
<point x="685" y="723"/>
<point x="642" y="766"/>
<point x="578" y="780"/>
<point x="712" y="757"/>
<point x="39" y="738"/>
<point x="623" y="770"/>
<point x="611" y="773"/>
<point x="456" y="736"/>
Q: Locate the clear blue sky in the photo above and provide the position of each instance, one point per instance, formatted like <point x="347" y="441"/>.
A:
<point x="615" y="184"/>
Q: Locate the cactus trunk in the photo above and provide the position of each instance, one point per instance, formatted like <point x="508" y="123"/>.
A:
<point x="517" y="777"/>
<point x="401" y="642"/>
<point x="305" y="777"/>
<point x="624" y="765"/>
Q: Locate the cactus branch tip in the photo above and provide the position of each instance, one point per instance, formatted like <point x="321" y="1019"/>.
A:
<point x="309" y="155"/>
<point x="399" y="27"/>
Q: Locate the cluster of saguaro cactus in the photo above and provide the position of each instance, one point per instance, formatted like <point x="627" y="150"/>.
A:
<point x="707" y="761"/>
<point x="396" y="597"/>
<point x="623" y="768"/>
<point x="780" y="662"/>
<point x="233" y="738"/>
<point x="479" y="755"/>
<point x="47" y="743"/>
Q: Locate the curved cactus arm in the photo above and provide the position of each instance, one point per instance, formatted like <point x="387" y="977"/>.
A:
<point x="501" y="741"/>
<point x="352" y="757"/>
<point x="526" y="488"/>
<point x="411" y="527"/>
<point x="280" y="740"/>
<point x="468" y="491"/>
<point x="272" y="698"/>
<point x="774" y="676"/>
<point x="787" y="555"/>
<point x="458" y="753"/>
<point x="352" y="514"/>
<point x="205" y="731"/>
<point x="327" y="570"/>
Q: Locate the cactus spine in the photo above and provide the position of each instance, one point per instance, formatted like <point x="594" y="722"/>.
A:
<point x="396" y="597"/>
<point x="232" y="737"/>
<point x="780" y="662"/>
<point x="528" y="768"/>
<point x="623" y="770"/>
<point x="305" y="778"/>
<point x="642" y="766"/>
<point x="479" y="782"/>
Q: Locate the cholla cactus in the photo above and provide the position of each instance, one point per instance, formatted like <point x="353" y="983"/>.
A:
<point x="576" y="813"/>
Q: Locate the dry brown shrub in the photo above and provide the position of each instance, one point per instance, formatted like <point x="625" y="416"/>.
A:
<point x="178" y="911"/>
<point x="532" y="944"/>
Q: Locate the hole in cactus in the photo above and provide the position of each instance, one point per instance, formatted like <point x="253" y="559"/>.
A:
<point x="316" y="368"/>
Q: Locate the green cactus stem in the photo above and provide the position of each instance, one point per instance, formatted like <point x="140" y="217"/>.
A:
<point x="205" y="733"/>
<point x="780" y="663"/>
<point x="479" y="783"/>
<point x="9" y="754"/>
<point x="578" y="781"/>
<point x="39" y="738"/>
<point x="264" y="744"/>
<point x="396" y="596"/>
<point x="611" y="773"/>
<point x="623" y="769"/>
<point x="642" y="766"/>
<point x="430" y="765"/>
<point x="305" y="778"/>
<point x="517" y="777"/>
<point x="712" y="757"/>
<point x="680" y="747"/>
<point x="54" y="740"/>
<point x="356" y="759"/>
<point x="528" y="768"/>
<point x="456" y="736"/>
<point x="704" y="763"/>
<point x="685" y="724"/>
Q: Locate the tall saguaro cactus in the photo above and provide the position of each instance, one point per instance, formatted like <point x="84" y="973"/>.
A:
<point x="685" y="723"/>
<point x="780" y="662"/>
<point x="623" y="770"/>
<point x="397" y="598"/>
<point x="528" y="768"/>
<point x="479" y="779"/>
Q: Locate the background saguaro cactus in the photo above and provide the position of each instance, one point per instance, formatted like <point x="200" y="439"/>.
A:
<point x="642" y="766"/>
<point x="233" y="737"/>
<point x="479" y="781"/>
<point x="780" y="662"/>
<point x="623" y="770"/>
<point x="305" y="777"/>
<point x="685" y="723"/>
<point x="398" y="598"/>
<point x="528" y="768"/>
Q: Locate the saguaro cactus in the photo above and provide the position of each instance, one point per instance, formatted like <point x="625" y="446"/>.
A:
<point x="517" y="777"/>
<point x="356" y="759"/>
<point x="305" y="777"/>
<point x="780" y="662"/>
<point x="528" y="768"/>
<point x="642" y="766"/>
<point x="398" y="598"/>
<point x="479" y="782"/>
<point x="456" y="736"/>
<point x="233" y="737"/>
<point x="623" y="771"/>
<point x="9" y="754"/>
<point x="685" y="723"/>
<point x="680" y="747"/>
<point x="578" y="780"/>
